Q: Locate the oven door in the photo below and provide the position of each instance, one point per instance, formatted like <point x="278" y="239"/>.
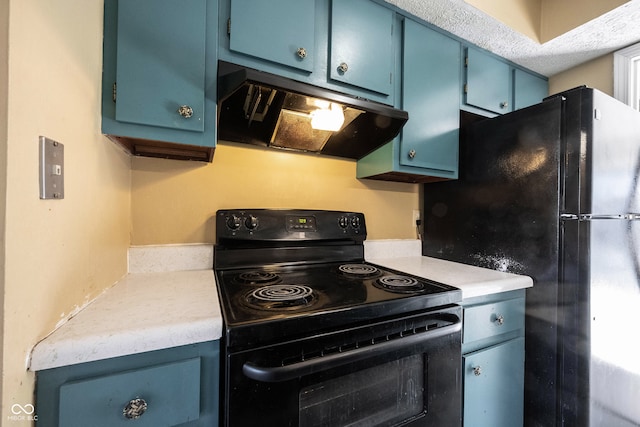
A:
<point x="402" y="371"/>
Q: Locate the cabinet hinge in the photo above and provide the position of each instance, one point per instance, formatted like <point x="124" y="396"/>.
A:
<point x="466" y="61"/>
<point x="229" y="26"/>
<point x="466" y="88"/>
<point x="114" y="91"/>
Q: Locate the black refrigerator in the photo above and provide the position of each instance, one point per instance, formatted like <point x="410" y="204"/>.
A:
<point x="551" y="191"/>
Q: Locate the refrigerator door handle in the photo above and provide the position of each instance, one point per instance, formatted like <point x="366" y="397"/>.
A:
<point x="565" y="217"/>
<point x="589" y="217"/>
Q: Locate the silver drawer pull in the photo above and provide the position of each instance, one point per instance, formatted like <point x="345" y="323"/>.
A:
<point x="343" y="68"/>
<point x="135" y="408"/>
<point x="302" y="52"/>
<point x="477" y="371"/>
<point x="499" y="319"/>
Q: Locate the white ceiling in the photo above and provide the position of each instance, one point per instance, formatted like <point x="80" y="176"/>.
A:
<point x="611" y="31"/>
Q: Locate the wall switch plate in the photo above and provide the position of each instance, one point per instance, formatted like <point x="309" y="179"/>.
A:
<point x="51" y="169"/>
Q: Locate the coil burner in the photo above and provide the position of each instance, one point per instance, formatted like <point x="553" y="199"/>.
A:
<point x="359" y="270"/>
<point x="400" y="284"/>
<point x="281" y="297"/>
<point x="257" y="278"/>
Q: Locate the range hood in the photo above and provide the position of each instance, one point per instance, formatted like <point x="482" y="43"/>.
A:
<point x="267" y="110"/>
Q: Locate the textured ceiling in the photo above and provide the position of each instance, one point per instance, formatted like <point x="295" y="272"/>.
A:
<point x="611" y="31"/>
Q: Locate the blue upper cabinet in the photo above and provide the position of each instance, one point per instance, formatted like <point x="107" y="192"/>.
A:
<point x="160" y="71"/>
<point x="362" y="45"/>
<point x="528" y="89"/>
<point x="430" y="76"/>
<point x="488" y="83"/>
<point x="281" y="31"/>
<point x="158" y="92"/>
<point x="427" y="148"/>
<point x="493" y="86"/>
<point x="345" y="46"/>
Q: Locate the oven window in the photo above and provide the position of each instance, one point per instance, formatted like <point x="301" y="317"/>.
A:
<point x="382" y="395"/>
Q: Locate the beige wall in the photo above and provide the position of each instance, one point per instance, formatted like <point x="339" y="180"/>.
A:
<point x="521" y="15"/>
<point x="175" y="202"/>
<point x="597" y="73"/>
<point x="59" y="254"/>
<point x="561" y="16"/>
<point x="544" y="20"/>
<point x="4" y="50"/>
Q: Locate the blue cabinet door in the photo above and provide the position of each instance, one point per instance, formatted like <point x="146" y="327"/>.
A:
<point x="431" y="79"/>
<point x="488" y="83"/>
<point x="281" y="31"/>
<point x="164" y="395"/>
<point x="494" y="385"/>
<point x="180" y="386"/>
<point x="528" y="89"/>
<point x="361" y="45"/>
<point x="161" y="63"/>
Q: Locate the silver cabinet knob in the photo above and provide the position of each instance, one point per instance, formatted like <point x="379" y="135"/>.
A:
<point x="185" y="111"/>
<point x="343" y="68"/>
<point x="504" y="104"/>
<point x="412" y="153"/>
<point x="477" y="371"/>
<point x="134" y="409"/>
<point x="499" y="319"/>
<point x="302" y="52"/>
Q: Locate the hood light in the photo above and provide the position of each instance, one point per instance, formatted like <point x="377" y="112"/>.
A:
<point x="330" y="119"/>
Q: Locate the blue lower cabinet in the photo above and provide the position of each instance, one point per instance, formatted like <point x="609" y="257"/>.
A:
<point x="493" y="360"/>
<point x="172" y="387"/>
<point x="494" y="385"/>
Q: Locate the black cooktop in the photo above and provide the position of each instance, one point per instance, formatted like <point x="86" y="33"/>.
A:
<point x="264" y="304"/>
<point x="287" y="273"/>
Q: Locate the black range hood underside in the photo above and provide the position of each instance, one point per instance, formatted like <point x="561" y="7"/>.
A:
<point x="372" y="124"/>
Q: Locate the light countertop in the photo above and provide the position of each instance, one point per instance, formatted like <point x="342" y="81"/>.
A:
<point x="142" y="312"/>
<point x="473" y="281"/>
<point x="169" y="299"/>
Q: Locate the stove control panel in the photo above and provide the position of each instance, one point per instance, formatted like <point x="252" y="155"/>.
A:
<point x="301" y="223"/>
<point x="287" y="224"/>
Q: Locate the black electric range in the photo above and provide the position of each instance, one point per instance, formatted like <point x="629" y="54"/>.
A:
<point x="315" y="336"/>
<point x="282" y="273"/>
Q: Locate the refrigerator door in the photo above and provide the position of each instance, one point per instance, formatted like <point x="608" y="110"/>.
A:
<point x="502" y="213"/>
<point x="601" y="299"/>
<point x="603" y="156"/>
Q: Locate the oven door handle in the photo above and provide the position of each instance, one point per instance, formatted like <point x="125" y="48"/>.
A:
<point x="283" y="373"/>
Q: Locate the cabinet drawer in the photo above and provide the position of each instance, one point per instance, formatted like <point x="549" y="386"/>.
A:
<point x="487" y="320"/>
<point x="171" y="392"/>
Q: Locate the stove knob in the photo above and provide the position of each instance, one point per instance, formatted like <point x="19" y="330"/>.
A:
<point x="233" y="222"/>
<point x="251" y="222"/>
<point x="343" y="221"/>
<point x="355" y="222"/>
